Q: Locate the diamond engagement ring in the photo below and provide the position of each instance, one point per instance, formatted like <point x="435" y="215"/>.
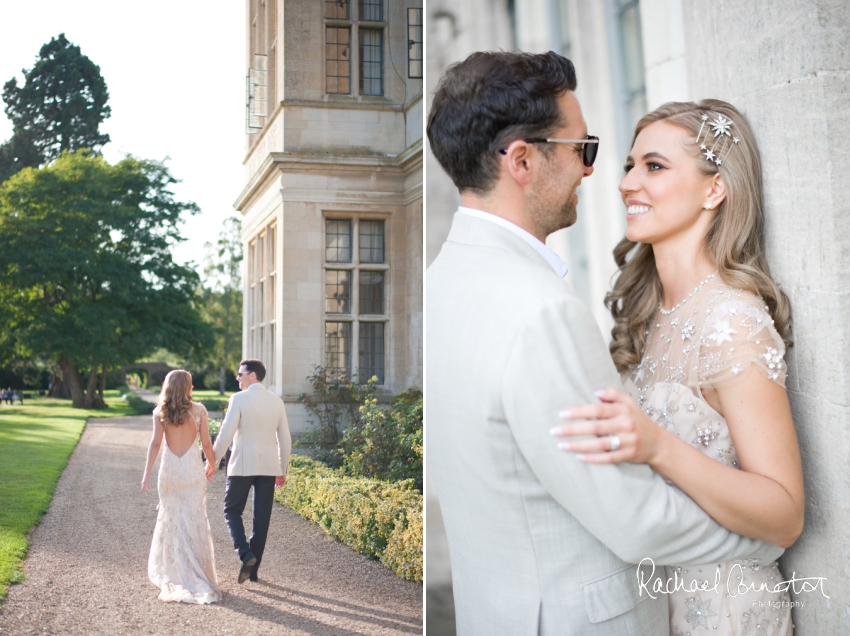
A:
<point x="615" y="442"/>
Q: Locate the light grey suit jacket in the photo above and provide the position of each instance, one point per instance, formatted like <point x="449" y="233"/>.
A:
<point x="540" y="543"/>
<point x="256" y="423"/>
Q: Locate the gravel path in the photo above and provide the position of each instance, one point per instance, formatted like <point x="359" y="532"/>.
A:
<point x="87" y="567"/>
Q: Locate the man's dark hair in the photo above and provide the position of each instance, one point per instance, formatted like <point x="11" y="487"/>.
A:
<point x="490" y="100"/>
<point x="254" y="366"/>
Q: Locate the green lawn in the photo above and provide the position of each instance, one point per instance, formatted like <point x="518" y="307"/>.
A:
<point x="207" y="394"/>
<point x="209" y="398"/>
<point x="36" y="440"/>
<point x="202" y="394"/>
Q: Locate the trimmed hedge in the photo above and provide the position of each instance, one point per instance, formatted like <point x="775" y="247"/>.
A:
<point x="143" y="407"/>
<point x="140" y="406"/>
<point x="381" y="520"/>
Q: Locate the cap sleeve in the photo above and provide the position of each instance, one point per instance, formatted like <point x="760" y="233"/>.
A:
<point x="200" y="414"/>
<point x="735" y="335"/>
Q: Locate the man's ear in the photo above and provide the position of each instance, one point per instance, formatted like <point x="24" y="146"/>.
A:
<point x="516" y="162"/>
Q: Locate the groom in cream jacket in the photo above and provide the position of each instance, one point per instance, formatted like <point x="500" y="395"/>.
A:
<point x="540" y="543"/>
<point x="256" y="423"/>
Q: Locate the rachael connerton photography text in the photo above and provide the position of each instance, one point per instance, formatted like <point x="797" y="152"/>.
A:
<point x="659" y="586"/>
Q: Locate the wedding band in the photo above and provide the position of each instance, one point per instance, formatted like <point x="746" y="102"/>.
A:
<point x="615" y="442"/>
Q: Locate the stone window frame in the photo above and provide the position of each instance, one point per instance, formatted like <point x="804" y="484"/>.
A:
<point x="354" y="317"/>
<point x="262" y="47"/>
<point x="628" y="68"/>
<point x="371" y="71"/>
<point x="334" y="81"/>
<point x="354" y="23"/>
<point x="634" y="73"/>
<point x="415" y="42"/>
<point x="261" y="267"/>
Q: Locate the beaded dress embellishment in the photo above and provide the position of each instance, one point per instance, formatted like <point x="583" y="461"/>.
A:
<point x="707" y="341"/>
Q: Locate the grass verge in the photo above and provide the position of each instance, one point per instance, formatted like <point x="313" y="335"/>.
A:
<point x="37" y="439"/>
<point x="207" y="394"/>
<point x="209" y="398"/>
<point x="138" y="405"/>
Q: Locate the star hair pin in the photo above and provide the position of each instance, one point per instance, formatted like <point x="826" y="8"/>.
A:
<point x="720" y="128"/>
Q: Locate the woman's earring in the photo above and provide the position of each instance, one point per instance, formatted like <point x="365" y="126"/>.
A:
<point x="707" y="207"/>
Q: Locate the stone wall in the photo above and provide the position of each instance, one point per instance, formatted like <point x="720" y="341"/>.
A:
<point x="786" y="65"/>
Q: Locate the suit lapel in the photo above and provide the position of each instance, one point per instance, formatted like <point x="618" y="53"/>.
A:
<point x="468" y="230"/>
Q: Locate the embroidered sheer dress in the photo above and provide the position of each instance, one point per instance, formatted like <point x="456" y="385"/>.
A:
<point x="182" y="562"/>
<point x="709" y="342"/>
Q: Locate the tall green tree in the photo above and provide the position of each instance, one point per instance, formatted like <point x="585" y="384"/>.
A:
<point x="59" y="108"/>
<point x="86" y="274"/>
<point x="222" y="297"/>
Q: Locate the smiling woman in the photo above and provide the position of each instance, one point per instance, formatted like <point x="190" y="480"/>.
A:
<point x="669" y="196"/>
<point x="700" y="336"/>
<point x="675" y="195"/>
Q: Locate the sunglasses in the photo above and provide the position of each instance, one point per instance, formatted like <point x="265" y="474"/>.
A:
<point x="589" y="146"/>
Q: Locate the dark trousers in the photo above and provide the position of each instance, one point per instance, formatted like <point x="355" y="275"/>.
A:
<point x="235" y="498"/>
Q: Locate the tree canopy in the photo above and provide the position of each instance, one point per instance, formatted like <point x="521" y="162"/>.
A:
<point x="86" y="273"/>
<point x="59" y="108"/>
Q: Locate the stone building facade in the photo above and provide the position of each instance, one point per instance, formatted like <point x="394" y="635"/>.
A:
<point x="786" y="65"/>
<point x="332" y="208"/>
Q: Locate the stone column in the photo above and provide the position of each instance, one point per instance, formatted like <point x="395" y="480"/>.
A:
<point x="663" y="52"/>
<point x="455" y="30"/>
<point x="786" y="65"/>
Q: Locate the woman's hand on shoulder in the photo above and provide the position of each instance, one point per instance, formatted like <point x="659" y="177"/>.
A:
<point x="624" y="433"/>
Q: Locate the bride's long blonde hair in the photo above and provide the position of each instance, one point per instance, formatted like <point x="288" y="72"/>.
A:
<point x="175" y="398"/>
<point x="734" y="242"/>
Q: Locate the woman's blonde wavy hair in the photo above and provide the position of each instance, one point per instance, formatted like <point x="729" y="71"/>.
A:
<point x="734" y="242"/>
<point x="175" y="397"/>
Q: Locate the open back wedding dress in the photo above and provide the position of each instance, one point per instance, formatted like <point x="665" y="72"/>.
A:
<point x="182" y="562"/>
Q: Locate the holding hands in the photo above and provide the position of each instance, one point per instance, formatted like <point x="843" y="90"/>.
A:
<point x="623" y="431"/>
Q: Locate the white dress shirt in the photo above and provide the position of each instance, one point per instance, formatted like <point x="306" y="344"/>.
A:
<point x="548" y="255"/>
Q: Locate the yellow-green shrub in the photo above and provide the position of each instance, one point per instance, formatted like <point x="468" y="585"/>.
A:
<point x="379" y="519"/>
<point x="404" y="550"/>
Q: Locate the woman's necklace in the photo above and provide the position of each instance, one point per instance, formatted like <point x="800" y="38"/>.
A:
<point x="667" y="312"/>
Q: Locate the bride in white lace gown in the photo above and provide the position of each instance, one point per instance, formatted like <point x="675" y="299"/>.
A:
<point x="699" y="338"/>
<point x="181" y="562"/>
